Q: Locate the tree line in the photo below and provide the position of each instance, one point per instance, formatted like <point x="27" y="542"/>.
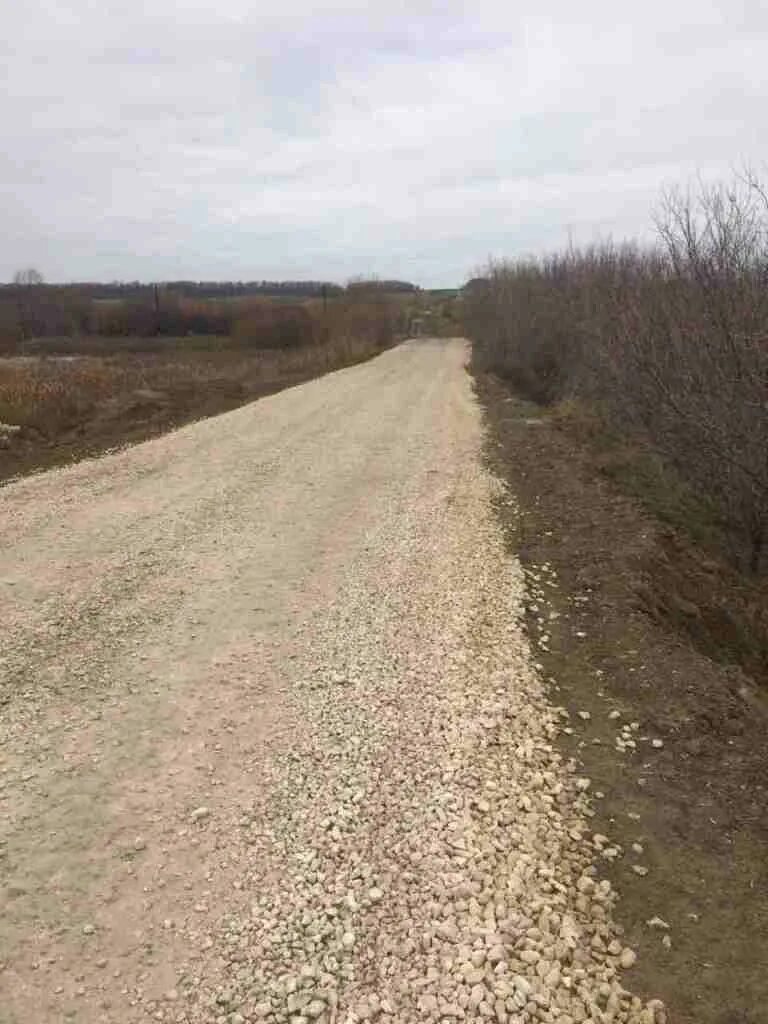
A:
<point x="31" y="309"/>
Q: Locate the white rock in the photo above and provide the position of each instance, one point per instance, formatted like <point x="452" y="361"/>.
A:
<point x="427" y="1003"/>
<point x="657" y="922"/>
<point x="627" y="958"/>
<point x="477" y="995"/>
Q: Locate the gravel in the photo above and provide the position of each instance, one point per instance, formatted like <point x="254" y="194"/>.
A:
<point x="390" y="831"/>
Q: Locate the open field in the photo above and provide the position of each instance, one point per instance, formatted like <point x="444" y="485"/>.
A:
<point x="77" y="406"/>
<point x="69" y="396"/>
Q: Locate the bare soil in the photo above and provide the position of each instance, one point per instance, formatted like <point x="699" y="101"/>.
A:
<point x="635" y="619"/>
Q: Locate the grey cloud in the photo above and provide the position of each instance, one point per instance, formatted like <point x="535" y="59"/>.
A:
<point x="323" y="140"/>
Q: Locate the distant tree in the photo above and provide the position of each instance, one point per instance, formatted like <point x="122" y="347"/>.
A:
<point x="29" y="276"/>
<point x="27" y="302"/>
<point x="375" y="284"/>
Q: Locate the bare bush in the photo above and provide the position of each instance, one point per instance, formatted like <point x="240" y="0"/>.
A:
<point x="268" y="325"/>
<point x="32" y="312"/>
<point x="671" y="342"/>
<point x="28" y="277"/>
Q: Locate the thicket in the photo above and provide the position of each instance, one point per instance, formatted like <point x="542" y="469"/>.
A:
<point x="39" y="317"/>
<point x="667" y="344"/>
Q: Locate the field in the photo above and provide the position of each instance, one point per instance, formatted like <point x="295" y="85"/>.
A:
<point x="79" y="394"/>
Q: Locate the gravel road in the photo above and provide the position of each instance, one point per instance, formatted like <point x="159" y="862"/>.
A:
<point x="272" y="743"/>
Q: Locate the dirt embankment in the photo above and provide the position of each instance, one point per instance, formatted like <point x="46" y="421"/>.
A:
<point x="624" y="612"/>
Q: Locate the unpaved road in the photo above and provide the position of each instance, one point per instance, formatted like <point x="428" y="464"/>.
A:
<point x="273" y="746"/>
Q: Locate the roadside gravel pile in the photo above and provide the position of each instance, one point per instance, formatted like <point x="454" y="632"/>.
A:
<point x="429" y="849"/>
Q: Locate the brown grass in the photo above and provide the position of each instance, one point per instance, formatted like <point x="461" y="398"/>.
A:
<point x="78" y="405"/>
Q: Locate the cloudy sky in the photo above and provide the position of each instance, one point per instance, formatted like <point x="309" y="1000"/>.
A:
<point x="187" y="139"/>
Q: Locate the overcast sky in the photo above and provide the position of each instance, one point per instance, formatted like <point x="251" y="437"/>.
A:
<point x="324" y="139"/>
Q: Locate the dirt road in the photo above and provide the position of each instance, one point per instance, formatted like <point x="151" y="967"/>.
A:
<point x="273" y="746"/>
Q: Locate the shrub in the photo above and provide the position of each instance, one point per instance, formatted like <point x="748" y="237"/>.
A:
<point x="270" y="326"/>
<point x="671" y="342"/>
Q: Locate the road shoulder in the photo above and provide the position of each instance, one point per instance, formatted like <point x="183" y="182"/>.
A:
<point x="681" y="790"/>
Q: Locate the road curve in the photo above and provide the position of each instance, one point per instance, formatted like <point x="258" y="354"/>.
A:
<point x="272" y="746"/>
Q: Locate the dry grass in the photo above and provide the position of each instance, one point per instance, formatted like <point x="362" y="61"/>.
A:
<point x="76" y="394"/>
<point x="47" y="394"/>
<point x="76" y="405"/>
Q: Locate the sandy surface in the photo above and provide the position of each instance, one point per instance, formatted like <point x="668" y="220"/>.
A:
<point x="272" y="746"/>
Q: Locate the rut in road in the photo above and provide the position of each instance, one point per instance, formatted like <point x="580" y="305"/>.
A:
<point x="273" y="744"/>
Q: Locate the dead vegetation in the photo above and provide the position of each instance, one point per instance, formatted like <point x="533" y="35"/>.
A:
<point x="78" y="394"/>
<point x="665" y="351"/>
